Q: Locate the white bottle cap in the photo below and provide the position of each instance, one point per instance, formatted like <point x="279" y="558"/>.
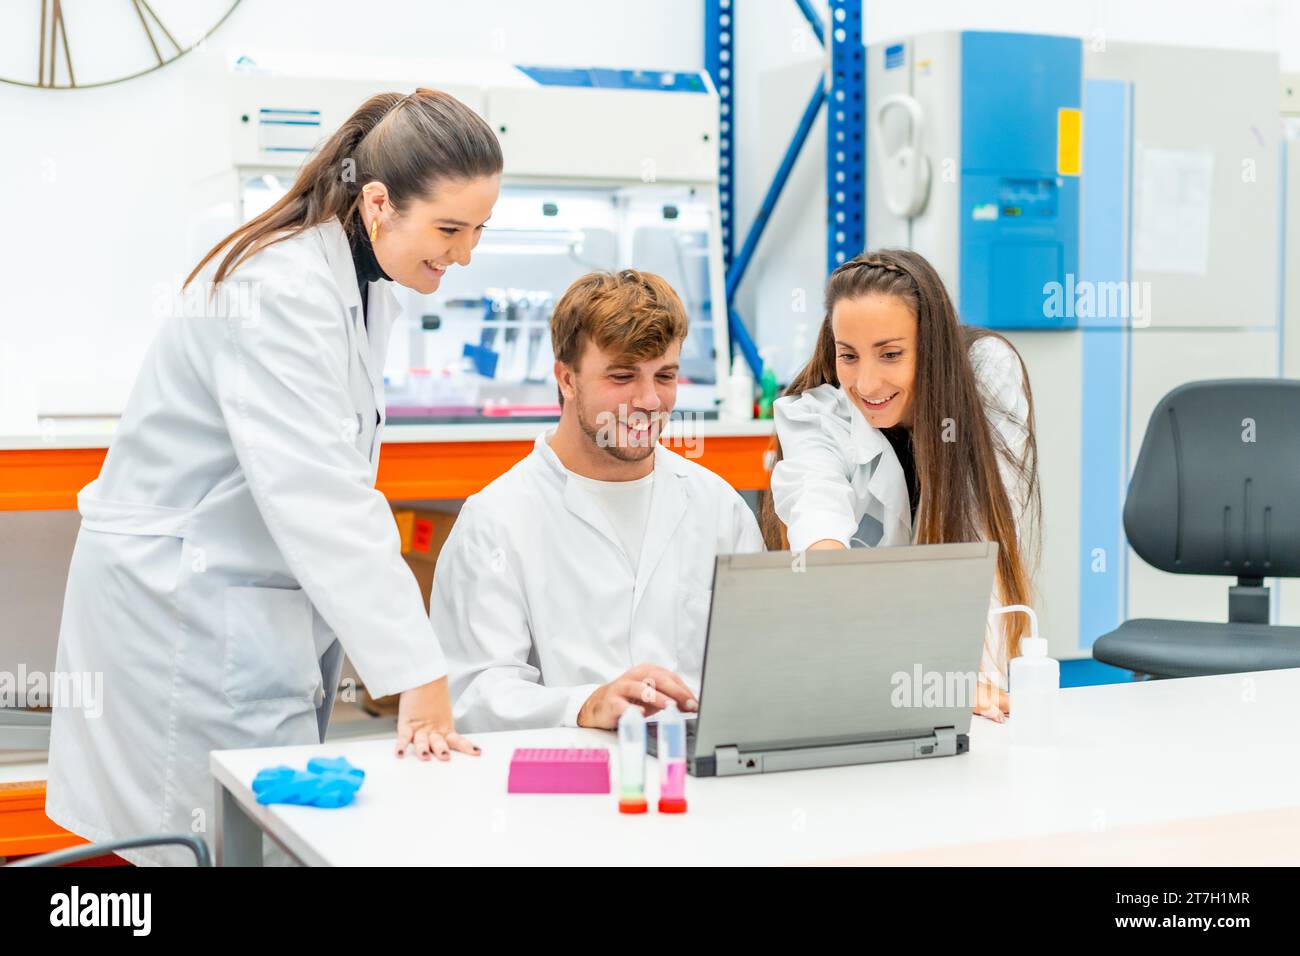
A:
<point x="1033" y="647"/>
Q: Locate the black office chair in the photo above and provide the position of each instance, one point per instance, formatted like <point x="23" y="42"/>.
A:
<point x="1216" y="490"/>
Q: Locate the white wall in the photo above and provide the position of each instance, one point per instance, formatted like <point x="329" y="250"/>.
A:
<point x="94" y="181"/>
<point x="93" y="177"/>
<point x="781" y="298"/>
<point x="1245" y="24"/>
<point x="791" y="260"/>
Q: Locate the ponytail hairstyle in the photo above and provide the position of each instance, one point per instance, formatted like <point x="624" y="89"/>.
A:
<point x="963" y="497"/>
<point x="409" y="143"/>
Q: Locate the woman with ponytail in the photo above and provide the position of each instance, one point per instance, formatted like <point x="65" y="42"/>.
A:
<point x="908" y="427"/>
<point x="234" y="545"/>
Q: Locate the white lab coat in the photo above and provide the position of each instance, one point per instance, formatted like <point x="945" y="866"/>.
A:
<point x="537" y="605"/>
<point x="839" y="478"/>
<point x="233" y="546"/>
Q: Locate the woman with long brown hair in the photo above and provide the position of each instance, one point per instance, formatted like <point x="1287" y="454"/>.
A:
<point x="908" y="427"/>
<point x="234" y="544"/>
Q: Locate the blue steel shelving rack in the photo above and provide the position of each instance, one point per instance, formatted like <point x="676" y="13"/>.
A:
<point x="844" y="88"/>
<point x="846" y="138"/>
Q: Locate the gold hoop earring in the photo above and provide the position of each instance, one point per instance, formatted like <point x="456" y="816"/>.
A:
<point x="374" y="229"/>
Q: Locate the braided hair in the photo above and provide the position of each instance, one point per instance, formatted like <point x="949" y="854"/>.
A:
<point x="963" y="497"/>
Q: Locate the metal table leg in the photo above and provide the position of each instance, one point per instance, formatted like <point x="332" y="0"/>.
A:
<point x="238" y="838"/>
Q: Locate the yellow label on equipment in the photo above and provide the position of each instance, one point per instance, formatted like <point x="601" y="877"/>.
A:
<point x="1069" y="142"/>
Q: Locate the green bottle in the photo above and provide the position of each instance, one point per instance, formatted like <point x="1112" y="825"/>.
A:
<point x="767" y="391"/>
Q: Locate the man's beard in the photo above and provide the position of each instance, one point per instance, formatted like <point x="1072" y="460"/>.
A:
<point x="600" y="438"/>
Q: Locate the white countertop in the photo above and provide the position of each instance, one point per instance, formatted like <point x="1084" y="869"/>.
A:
<point x="30" y="768"/>
<point x="98" y="432"/>
<point x="1137" y="753"/>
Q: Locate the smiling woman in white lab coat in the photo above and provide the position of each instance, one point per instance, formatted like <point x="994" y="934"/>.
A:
<point x="234" y="544"/>
<point x="907" y="426"/>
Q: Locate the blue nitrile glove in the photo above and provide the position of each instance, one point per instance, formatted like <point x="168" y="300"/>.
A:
<point x="338" y="765"/>
<point x="280" y="785"/>
<point x="327" y="782"/>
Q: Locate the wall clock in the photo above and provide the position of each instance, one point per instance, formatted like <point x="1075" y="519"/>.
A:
<point x="73" y="44"/>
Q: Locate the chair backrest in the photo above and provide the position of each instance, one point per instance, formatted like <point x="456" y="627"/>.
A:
<point x="1216" y="488"/>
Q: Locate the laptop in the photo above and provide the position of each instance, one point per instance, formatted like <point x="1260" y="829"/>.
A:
<point x="832" y="658"/>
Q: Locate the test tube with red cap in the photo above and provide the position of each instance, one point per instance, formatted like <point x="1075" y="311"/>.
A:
<point x="672" y="760"/>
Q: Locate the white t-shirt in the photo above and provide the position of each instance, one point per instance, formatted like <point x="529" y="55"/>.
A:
<point x="627" y="505"/>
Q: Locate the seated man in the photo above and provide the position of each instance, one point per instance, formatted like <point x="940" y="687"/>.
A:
<point x="578" y="583"/>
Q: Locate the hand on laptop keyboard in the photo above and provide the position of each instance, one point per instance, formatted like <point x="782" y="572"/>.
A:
<point x="645" y="686"/>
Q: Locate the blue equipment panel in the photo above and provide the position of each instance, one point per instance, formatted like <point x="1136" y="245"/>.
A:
<point x="1019" y="209"/>
<point x="663" y="81"/>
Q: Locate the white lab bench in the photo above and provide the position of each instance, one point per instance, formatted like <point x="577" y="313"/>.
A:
<point x="1128" y="758"/>
<point x="43" y="469"/>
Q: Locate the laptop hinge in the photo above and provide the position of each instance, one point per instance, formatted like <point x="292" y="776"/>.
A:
<point x="945" y="741"/>
<point x="727" y="761"/>
<point x="731" y="761"/>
